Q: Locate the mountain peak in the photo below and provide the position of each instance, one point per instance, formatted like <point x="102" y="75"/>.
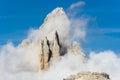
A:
<point x="56" y="20"/>
<point x="58" y="10"/>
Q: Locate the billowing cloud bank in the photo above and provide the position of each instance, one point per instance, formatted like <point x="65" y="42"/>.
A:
<point x="20" y="62"/>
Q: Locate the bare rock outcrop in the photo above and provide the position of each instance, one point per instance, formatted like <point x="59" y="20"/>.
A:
<point x="43" y="55"/>
<point x="88" y="76"/>
<point x="56" y="47"/>
<point x="51" y="51"/>
<point x="40" y="57"/>
<point x="55" y="41"/>
<point x="48" y="51"/>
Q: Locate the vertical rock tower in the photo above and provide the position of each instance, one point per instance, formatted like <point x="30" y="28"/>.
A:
<point x="48" y="51"/>
<point x="52" y="37"/>
<point x="52" y="40"/>
<point x="53" y="43"/>
<point x="56" y="47"/>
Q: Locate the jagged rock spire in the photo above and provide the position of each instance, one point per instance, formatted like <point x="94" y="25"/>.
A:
<point x="56" y="46"/>
<point x="43" y="55"/>
<point x="40" y="57"/>
<point x="55" y="31"/>
<point x="46" y="53"/>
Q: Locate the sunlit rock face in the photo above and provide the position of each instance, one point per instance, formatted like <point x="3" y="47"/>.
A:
<point x="47" y="51"/>
<point x="43" y="55"/>
<point x="88" y="76"/>
<point x="56" y="47"/>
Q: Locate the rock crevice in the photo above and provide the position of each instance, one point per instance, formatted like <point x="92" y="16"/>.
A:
<point x="47" y="51"/>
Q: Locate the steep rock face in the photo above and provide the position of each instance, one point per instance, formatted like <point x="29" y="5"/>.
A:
<point x="54" y="40"/>
<point x="40" y="57"/>
<point x="47" y="51"/>
<point x="56" y="47"/>
<point x="88" y="76"/>
<point x="43" y="55"/>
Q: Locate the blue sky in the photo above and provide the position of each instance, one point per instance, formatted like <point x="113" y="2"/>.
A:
<point x="18" y="16"/>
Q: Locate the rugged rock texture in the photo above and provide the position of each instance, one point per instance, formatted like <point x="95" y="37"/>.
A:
<point x="43" y="55"/>
<point x="54" y="41"/>
<point x="47" y="51"/>
<point x="56" y="47"/>
<point x="88" y="76"/>
<point x="53" y="51"/>
<point x="40" y="57"/>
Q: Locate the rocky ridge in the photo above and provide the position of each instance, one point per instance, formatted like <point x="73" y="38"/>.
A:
<point x="88" y="76"/>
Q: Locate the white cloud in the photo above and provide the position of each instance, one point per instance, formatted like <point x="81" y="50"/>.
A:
<point x="79" y="22"/>
<point x="20" y="64"/>
<point x="78" y="28"/>
<point x="77" y="4"/>
<point x="106" y="61"/>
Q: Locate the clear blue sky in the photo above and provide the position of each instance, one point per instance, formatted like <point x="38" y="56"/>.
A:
<point x="18" y="16"/>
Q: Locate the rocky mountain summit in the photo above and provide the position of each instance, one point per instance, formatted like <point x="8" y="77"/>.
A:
<point x="53" y="46"/>
<point x="55" y="37"/>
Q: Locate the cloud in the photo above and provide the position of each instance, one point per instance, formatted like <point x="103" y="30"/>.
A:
<point x="79" y="22"/>
<point x="78" y="28"/>
<point x="106" y="61"/>
<point x="77" y="4"/>
<point x="21" y="63"/>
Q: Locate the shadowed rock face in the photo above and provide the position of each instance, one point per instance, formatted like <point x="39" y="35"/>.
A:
<point x="88" y="76"/>
<point x="51" y="51"/>
<point x="47" y="51"/>
<point x="56" y="46"/>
